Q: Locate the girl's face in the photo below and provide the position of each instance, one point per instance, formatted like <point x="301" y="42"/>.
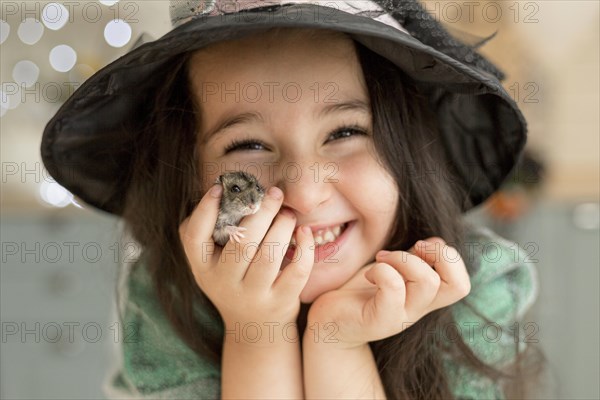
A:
<point x="293" y="110"/>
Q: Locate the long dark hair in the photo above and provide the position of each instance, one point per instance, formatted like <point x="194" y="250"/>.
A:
<point x="164" y="188"/>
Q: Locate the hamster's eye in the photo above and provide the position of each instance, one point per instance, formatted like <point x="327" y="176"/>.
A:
<point x="236" y="189"/>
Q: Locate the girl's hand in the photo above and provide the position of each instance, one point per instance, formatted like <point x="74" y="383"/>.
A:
<point x="243" y="279"/>
<point x="388" y="296"/>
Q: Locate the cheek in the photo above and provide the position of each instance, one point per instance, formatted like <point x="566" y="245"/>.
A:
<point x="374" y="196"/>
<point x="374" y="190"/>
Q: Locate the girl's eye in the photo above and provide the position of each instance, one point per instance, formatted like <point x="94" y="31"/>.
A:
<point x="346" y="132"/>
<point x="235" y="188"/>
<point x="246" y="144"/>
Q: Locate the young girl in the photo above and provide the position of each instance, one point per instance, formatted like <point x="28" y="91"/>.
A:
<point x="371" y="144"/>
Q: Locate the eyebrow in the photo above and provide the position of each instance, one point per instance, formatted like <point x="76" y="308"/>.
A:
<point x="352" y="105"/>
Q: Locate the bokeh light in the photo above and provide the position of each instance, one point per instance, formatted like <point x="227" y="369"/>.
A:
<point x="54" y="194"/>
<point x="117" y="33"/>
<point x="4" y="30"/>
<point x="63" y="58"/>
<point x="55" y="16"/>
<point x="10" y="95"/>
<point x="30" y="31"/>
<point x="26" y="73"/>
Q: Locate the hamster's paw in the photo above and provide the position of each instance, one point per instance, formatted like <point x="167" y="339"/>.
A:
<point x="235" y="232"/>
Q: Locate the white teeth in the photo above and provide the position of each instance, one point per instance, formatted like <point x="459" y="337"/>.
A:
<point x="329" y="236"/>
<point x="323" y="236"/>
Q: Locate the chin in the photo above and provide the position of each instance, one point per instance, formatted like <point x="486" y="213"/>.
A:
<point x="325" y="278"/>
<point x="312" y="290"/>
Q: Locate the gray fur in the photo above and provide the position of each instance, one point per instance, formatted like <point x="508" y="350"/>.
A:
<point x="235" y="204"/>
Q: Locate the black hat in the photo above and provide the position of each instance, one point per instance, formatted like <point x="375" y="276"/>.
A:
<point x="481" y="126"/>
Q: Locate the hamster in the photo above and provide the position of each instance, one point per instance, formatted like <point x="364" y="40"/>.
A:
<point x="242" y="195"/>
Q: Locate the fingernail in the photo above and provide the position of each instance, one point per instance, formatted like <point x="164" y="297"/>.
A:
<point x="275" y="192"/>
<point x="216" y="190"/>
<point x="306" y="230"/>
<point x="383" y="253"/>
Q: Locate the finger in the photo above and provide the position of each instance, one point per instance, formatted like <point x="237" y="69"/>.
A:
<point x="392" y="290"/>
<point x="293" y="278"/>
<point x="240" y="254"/>
<point x="390" y="299"/>
<point x="264" y="267"/>
<point x="455" y="281"/>
<point x="195" y="232"/>
<point x="422" y="282"/>
<point x="429" y="249"/>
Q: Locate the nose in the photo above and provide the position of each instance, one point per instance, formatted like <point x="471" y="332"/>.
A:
<point x="305" y="186"/>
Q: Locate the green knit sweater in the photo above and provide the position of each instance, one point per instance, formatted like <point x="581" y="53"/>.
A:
<point x="155" y="363"/>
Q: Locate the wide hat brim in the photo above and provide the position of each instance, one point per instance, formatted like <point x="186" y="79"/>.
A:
<point x="482" y="128"/>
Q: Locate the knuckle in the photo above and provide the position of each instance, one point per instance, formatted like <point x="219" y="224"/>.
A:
<point x="460" y="287"/>
<point x="434" y="279"/>
<point x="405" y="257"/>
<point x="464" y="288"/>
<point x="395" y="283"/>
<point x="427" y="274"/>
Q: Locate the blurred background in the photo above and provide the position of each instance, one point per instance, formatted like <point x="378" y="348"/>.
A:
<point x="59" y="257"/>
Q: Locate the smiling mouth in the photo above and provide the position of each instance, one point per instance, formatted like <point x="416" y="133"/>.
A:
<point x="325" y="235"/>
